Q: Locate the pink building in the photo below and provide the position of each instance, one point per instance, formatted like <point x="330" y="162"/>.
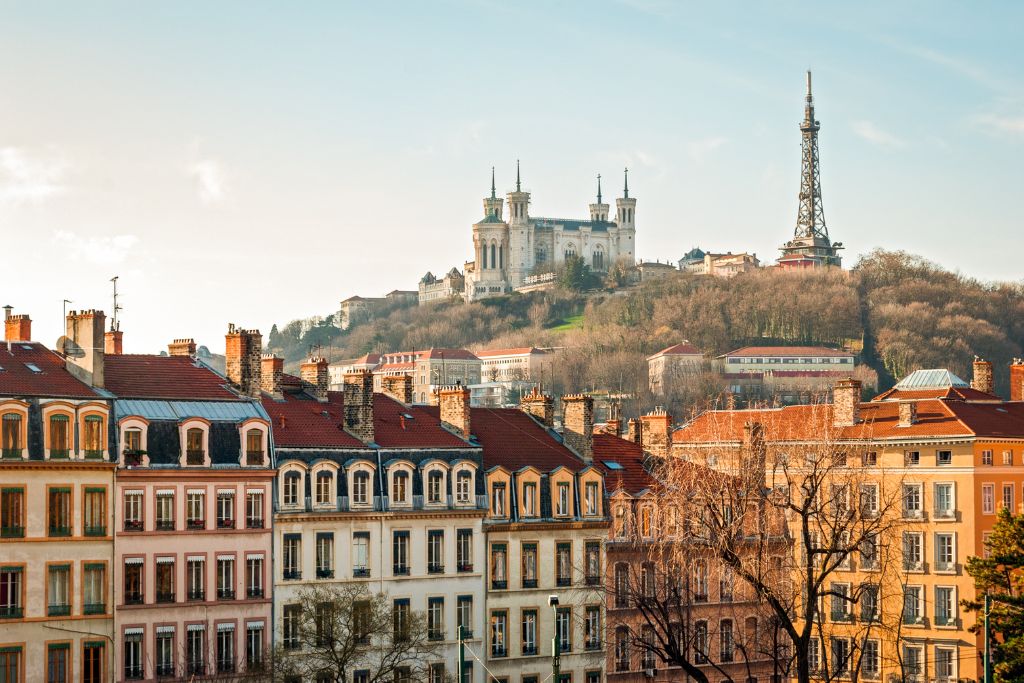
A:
<point x="192" y="498"/>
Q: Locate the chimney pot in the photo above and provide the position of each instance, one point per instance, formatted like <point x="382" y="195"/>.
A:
<point x="453" y="404"/>
<point x="655" y="432"/>
<point x="17" y="327"/>
<point x="578" y="424"/>
<point x="981" y="379"/>
<point x="540" y="405"/>
<point x="182" y="347"/>
<point x="846" y="403"/>
<point x="908" y="413"/>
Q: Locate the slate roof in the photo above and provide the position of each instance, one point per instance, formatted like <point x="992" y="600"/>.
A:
<point x="571" y="224"/>
<point x="52" y="380"/>
<point x="167" y="377"/>
<point x="934" y="383"/>
<point x="522" y="350"/>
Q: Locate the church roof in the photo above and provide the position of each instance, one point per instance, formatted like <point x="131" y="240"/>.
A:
<point x="489" y="218"/>
<point x="572" y="224"/>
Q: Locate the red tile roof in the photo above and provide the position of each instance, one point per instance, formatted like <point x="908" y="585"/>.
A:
<point x="392" y="429"/>
<point x="748" y="351"/>
<point x="16" y="379"/>
<point x="446" y="354"/>
<point x="520" y="351"/>
<point x="167" y="377"/>
<point x="633" y="476"/>
<point x="683" y="349"/>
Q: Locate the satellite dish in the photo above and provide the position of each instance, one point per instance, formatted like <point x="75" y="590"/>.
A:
<point x="69" y="348"/>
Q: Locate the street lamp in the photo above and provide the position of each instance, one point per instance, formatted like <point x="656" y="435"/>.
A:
<point x="556" y="653"/>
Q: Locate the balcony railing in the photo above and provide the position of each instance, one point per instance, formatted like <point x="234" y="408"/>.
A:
<point x="435" y="569"/>
<point x="94" y="608"/>
<point x="464" y="567"/>
<point x="593" y="580"/>
<point x="499" y="585"/>
<point x="197" y="595"/>
<point x="134" y="525"/>
<point x="133" y="598"/>
<point x="254" y="458"/>
<point x="165" y="596"/>
<point x="100" y="530"/>
<point x="381" y="504"/>
<point x="133" y="458"/>
<point x="225" y="666"/>
<point x="165" y="670"/>
<point x="400" y="570"/>
<point x="498" y="650"/>
<point x="133" y="672"/>
<point x="225" y="593"/>
<point x="292" y="574"/>
<point x="58" y="610"/>
<point x="12" y="531"/>
<point x="435" y="634"/>
<point x="12" y="453"/>
<point x="11" y="612"/>
<point x="197" y="668"/>
<point x="59" y="454"/>
<point x="225" y="524"/>
<point x="59" y="531"/>
<point x="360" y="572"/>
<point x="324" y="573"/>
<point x="529" y="650"/>
<point x="254" y="593"/>
<point x="944" y="620"/>
<point x="165" y="525"/>
<point x="93" y="454"/>
<point x="947" y="513"/>
<point x="592" y="645"/>
<point x="563" y="581"/>
<point x="529" y="583"/>
<point x="196" y="524"/>
<point x="195" y="457"/>
<point x="253" y="522"/>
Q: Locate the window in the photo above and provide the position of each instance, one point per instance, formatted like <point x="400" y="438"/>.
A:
<point x="563" y="628"/>
<point x="622" y="648"/>
<point x="869" y="552"/>
<point x="498" y="500"/>
<point x="529" y="632"/>
<point x="225" y="648"/>
<point x="254" y="447"/>
<point x="621" y="585"/>
<point x="986" y="457"/>
<point x="12" y="512"/>
<point x="195" y="509"/>
<point x="254" y="576"/>
<point x="58" y="514"/>
<point x="291" y="618"/>
<point x="290" y="491"/>
<point x="165" y="651"/>
<point x="58" y="590"/>
<point x="529" y="569"/>
<point x="1008" y="497"/>
<point x="869" y="602"/>
<point x="592" y="677"/>
<point x="464" y="550"/>
<point x="254" y="644"/>
<point x="400" y="553"/>
<point x="562" y="508"/>
<point x="988" y="499"/>
<point x="871" y="660"/>
<point x="133" y="586"/>
<point x="133" y="653"/>
<point x="943" y="457"/>
<point x="869" y="501"/>
<point x="592" y="560"/>
<point x="435" y="618"/>
<point x="56" y="664"/>
<point x="944" y="501"/>
<point x="165" y="579"/>
<point x="945" y="606"/>
<point x="361" y="488"/>
<point x="225" y="510"/>
<point x="463" y="487"/>
<point x="912" y="596"/>
<point x="945" y="552"/>
<point x="530" y="499"/>
<point x="361" y="554"/>
<point x="592" y="498"/>
<point x="435" y="551"/>
<point x="292" y="556"/>
<point x="464" y="615"/>
<point x="324" y="555"/>
<point x="726" y="583"/>
<point x="913" y="661"/>
<point x="254" y="509"/>
<point x="945" y="663"/>
<point x="401" y="613"/>
<point x="94" y="588"/>
<point x="1007" y="457"/>
<point x="840" y="601"/>
<point x="592" y="628"/>
<point x="60" y="441"/>
<point x="700" y="642"/>
<point x="912" y="458"/>
<point x="499" y="561"/>
<point x="195" y="649"/>
<point x="913" y="550"/>
<point x="435" y="487"/>
<point x="165" y="509"/>
<point x="499" y="633"/>
<point x="647" y="580"/>
<point x="912" y="501"/>
<point x="841" y="657"/>
<point x="563" y="564"/>
<point x="870" y="458"/>
<point x="195" y="454"/>
<point x="226" y="578"/>
<point x="195" y="576"/>
<point x="400" y="488"/>
<point x="11" y="435"/>
<point x="436" y="673"/>
<point x="646" y="521"/>
<point x="92" y="437"/>
<point x="700" y="581"/>
<point x="92" y="661"/>
<point x="133" y="446"/>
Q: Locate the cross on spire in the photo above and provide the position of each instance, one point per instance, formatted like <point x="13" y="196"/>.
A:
<point x="598" y="188"/>
<point x="493" y="196"/>
<point x="518" y="185"/>
<point x="625" y="189"/>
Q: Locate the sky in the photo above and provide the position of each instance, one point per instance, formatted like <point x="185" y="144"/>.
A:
<point x="257" y="162"/>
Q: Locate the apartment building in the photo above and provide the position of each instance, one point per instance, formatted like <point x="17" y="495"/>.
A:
<point x="672" y="365"/>
<point x="373" y="490"/>
<point x="56" y="517"/>
<point x="955" y="451"/>
<point x="429" y="369"/>
<point x="193" y="540"/>
<point x="789" y="374"/>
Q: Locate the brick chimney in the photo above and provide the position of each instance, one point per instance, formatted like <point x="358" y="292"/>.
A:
<point x="846" y="403"/>
<point x="578" y="424"/>
<point x="17" y="327"/>
<point x="113" y="342"/>
<point x="655" y="433"/>
<point x="908" y="413"/>
<point x="754" y="447"/>
<point x="244" y="352"/>
<point x="981" y="380"/>
<point x="315" y="377"/>
<point x="182" y="347"/>
<point x="634" y="430"/>
<point x="271" y="369"/>
<point x="540" y="405"/>
<point x="454" y="409"/>
<point x="614" y="424"/>
<point x="1017" y="380"/>
<point x="84" y="348"/>
<point x="398" y="387"/>
<point x="358" y="391"/>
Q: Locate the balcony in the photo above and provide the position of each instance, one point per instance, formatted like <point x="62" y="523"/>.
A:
<point x="529" y="583"/>
<point x="225" y="666"/>
<point x="94" y="608"/>
<point x="133" y="598"/>
<point x="93" y="454"/>
<point x="499" y="584"/>
<point x="435" y="569"/>
<point x="400" y="570"/>
<point x="58" y="610"/>
<point x="196" y="524"/>
<point x="133" y="458"/>
<point x="197" y="668"/>
<point x="59" y="454"/>
<point x="12" y="531"/>
<point x="165" y="525"/>
<point x="529" y="650"/>
<point x="165" y="670"/>
<point x="225" y="524"/>
<point x="253" y="522"/>
<point x="197" y="595"/>
<point x="195" y="458"/>
<point x="360" y="572"/>
<point x="499" y="650"/>
<point x="254" y="593"/>
<point x="11" y="454"/>
<point x="95" y="530"/>
<point x="463" y="567"/>
<point x="563" y="581"/>
<point x="592" y="645"/>
<point x="225" y="593"/>
<point x="323" y="573"/>
<point x="133" y="672"/>
<point x="165" y="596"/>
<point x="254" y="459"/>
<point x="134" y="525"/>
<point x="435" y="634"/>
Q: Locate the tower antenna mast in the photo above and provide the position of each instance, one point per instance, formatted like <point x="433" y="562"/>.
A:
<point x="114" y="324"/>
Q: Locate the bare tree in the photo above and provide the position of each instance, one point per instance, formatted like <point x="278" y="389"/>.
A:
<point x="340" y="628"/>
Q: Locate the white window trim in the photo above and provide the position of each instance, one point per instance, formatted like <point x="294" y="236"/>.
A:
<point x="300" y="497"/>
<point x="134" y="422"/>
<point x="243" y="430"/>
<point x="370" y="493"/>
<point x="443" y="469"/>
<point x="332" y="497"/>
<point x="464" y="467"/>
<point x="194" y="423"/>
<point x="953" y="502"/>
<point x="394" y="469"/>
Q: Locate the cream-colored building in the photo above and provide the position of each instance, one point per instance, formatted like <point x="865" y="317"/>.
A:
<point x="429" y="369"/>
<point x="518" y="364"/>
<point x="673" y="364"/>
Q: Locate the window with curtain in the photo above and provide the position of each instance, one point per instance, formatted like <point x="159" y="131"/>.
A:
<point x="10" y="435"/>
<point x="60" y="441"/>
<point x="92" y="437"/>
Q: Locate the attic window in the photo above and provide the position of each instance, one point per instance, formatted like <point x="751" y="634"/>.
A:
<point x="612" y="465"/>
<point x="33" y="367"/>
<point x="407" y="416"/>
<point x="27" y="347"/>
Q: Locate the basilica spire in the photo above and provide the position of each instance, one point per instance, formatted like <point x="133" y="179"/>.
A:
<point x="493" y="195"/>
<point x="625" y="188"/>
<point x="598" y="188"/>
<point x="518" y="184"/>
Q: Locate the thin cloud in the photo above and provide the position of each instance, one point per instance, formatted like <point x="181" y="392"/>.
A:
<point x="952" y="63"/>
<point x="29" y="179"/>
<point x="97" y="250"/>
<point x="876" y="136"/>
<point x="210" y="179"/>
<point x="699" y="150"/>
<point x="1012" y="125"/>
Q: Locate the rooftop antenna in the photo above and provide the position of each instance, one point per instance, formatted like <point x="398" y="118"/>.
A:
<point x="114" y="324"/>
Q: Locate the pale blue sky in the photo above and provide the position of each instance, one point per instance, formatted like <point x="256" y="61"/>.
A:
<point x="257" y="162"/>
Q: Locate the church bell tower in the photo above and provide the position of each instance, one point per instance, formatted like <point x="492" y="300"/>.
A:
<point x="625" y="217"/>
<point x="520" y="247"/>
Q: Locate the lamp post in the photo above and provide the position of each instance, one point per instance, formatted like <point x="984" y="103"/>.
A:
<point x="556" y="648"/>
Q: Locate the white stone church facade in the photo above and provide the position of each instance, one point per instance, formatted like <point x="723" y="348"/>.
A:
<point x="507" y="252"/>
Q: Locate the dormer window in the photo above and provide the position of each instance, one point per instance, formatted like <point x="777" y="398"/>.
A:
<point x="562" y="504"/>
<point x="592" y="498"/>
<point x="361" y="488"/>
<point x="92" y="437"/>
<point x="11" y="435"/>
<point x="435" y="487"/>
<point x="195" y="454"/>
<point x="324" y="487"/>
<point x="530" y="499"/>
<point x="400" y="488"/>
<point x="132" y="441"/>
<point x="60" y="437"/>
<point x="254" y="447"/>
<point x="463" y="487"/>
<point x="290" y="492"/>
<point x="498" y="500"/>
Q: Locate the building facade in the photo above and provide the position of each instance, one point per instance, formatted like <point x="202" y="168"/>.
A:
<point x="449" y="287"/>
<point x="673" y="364"/>
<point x="789" y="374"/>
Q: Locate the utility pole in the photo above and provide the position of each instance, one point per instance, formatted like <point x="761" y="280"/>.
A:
<point x="556" y="645"/>
<point x="462" y="656"/>
<point x="988" y="642"/>
<point x="114" y="324"/>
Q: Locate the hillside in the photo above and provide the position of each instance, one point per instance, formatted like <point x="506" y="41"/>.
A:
<point x="896" y="310"/>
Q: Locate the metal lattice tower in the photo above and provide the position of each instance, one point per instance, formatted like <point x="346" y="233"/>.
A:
<point x="810" y="220"/>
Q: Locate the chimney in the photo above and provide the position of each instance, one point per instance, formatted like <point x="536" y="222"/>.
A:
<point x="614" y="424"/>
<point x="846" y="403"/>
<point x="540" y="405"/>
<point x="454" y="409"/>
<point x="358" y="391"/>
<point x="113" y="342"/>
<point x="271" y="369"/>
<point x="398" y="387"/>
<point x="84" y="348"/>
<point x="182" y="347"/>
<point x="754" y="448"/>
<point x="730" y="401"/>
<point x="17" y="327"/>
<point x="982" y="377"/>
<point x="578" y="424"/>
<point x="908" y="413"/>
<point x="243" y="351"/>
<point x="1017" y="380"/>
<point x="634" y="430"/>
<point x="314" y="374"/>
<point x="656" y="428"/>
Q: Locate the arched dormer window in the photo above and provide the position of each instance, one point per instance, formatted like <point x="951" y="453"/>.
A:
<point x="94" y="437"/>
<point x="435" y="486"/>
<point x="323" y="487"/>
<point x="195" y="442"/>
<point x="464" y="487"/>
<point x="59" y="436"/>
<point x="360" y="488"/>
<point x="291" y="488"/>
<point x="133" y="441"/>
<point x="400" y="493"/>
<point x="255" y="441"/>
<point x="13" y="426"/>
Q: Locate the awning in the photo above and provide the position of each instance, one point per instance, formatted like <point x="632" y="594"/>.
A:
<point x="133" y="632"/>
<point x="225" y="557"/>
<point x="255" y="490"/>
<point x="195" y="491"/>
<point x="165" y="492"/>
<point x="134" y="492"/>
<point x="225" y="627"/>
<point x="195" y="558"/>
<point x="195" y="627"/>
<point x="134" y="560"/>
<point x="253" y="556"/>
<point x="165" y="560"/>
<point x="254" y="625"/>
<point x="164" y="629"/>
<point x="221" y="492"/>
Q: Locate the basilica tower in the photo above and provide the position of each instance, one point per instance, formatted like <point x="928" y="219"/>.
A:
<point x="490" y="249"/>
<point x="520" y="247"/>
<point x="626" y="219"/>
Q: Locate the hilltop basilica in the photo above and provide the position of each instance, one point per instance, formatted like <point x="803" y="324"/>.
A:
<point x="513" y="253"/>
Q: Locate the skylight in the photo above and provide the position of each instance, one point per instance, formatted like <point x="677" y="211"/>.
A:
<point x="33" y="367"/>
<point x="612" y="465"/>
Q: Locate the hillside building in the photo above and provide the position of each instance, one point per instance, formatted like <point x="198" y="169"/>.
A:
<point x="449" y="287"/>
<point x="357" y="309"/>
<point x="673" y="364"/>
<point x="789" y="374"/>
